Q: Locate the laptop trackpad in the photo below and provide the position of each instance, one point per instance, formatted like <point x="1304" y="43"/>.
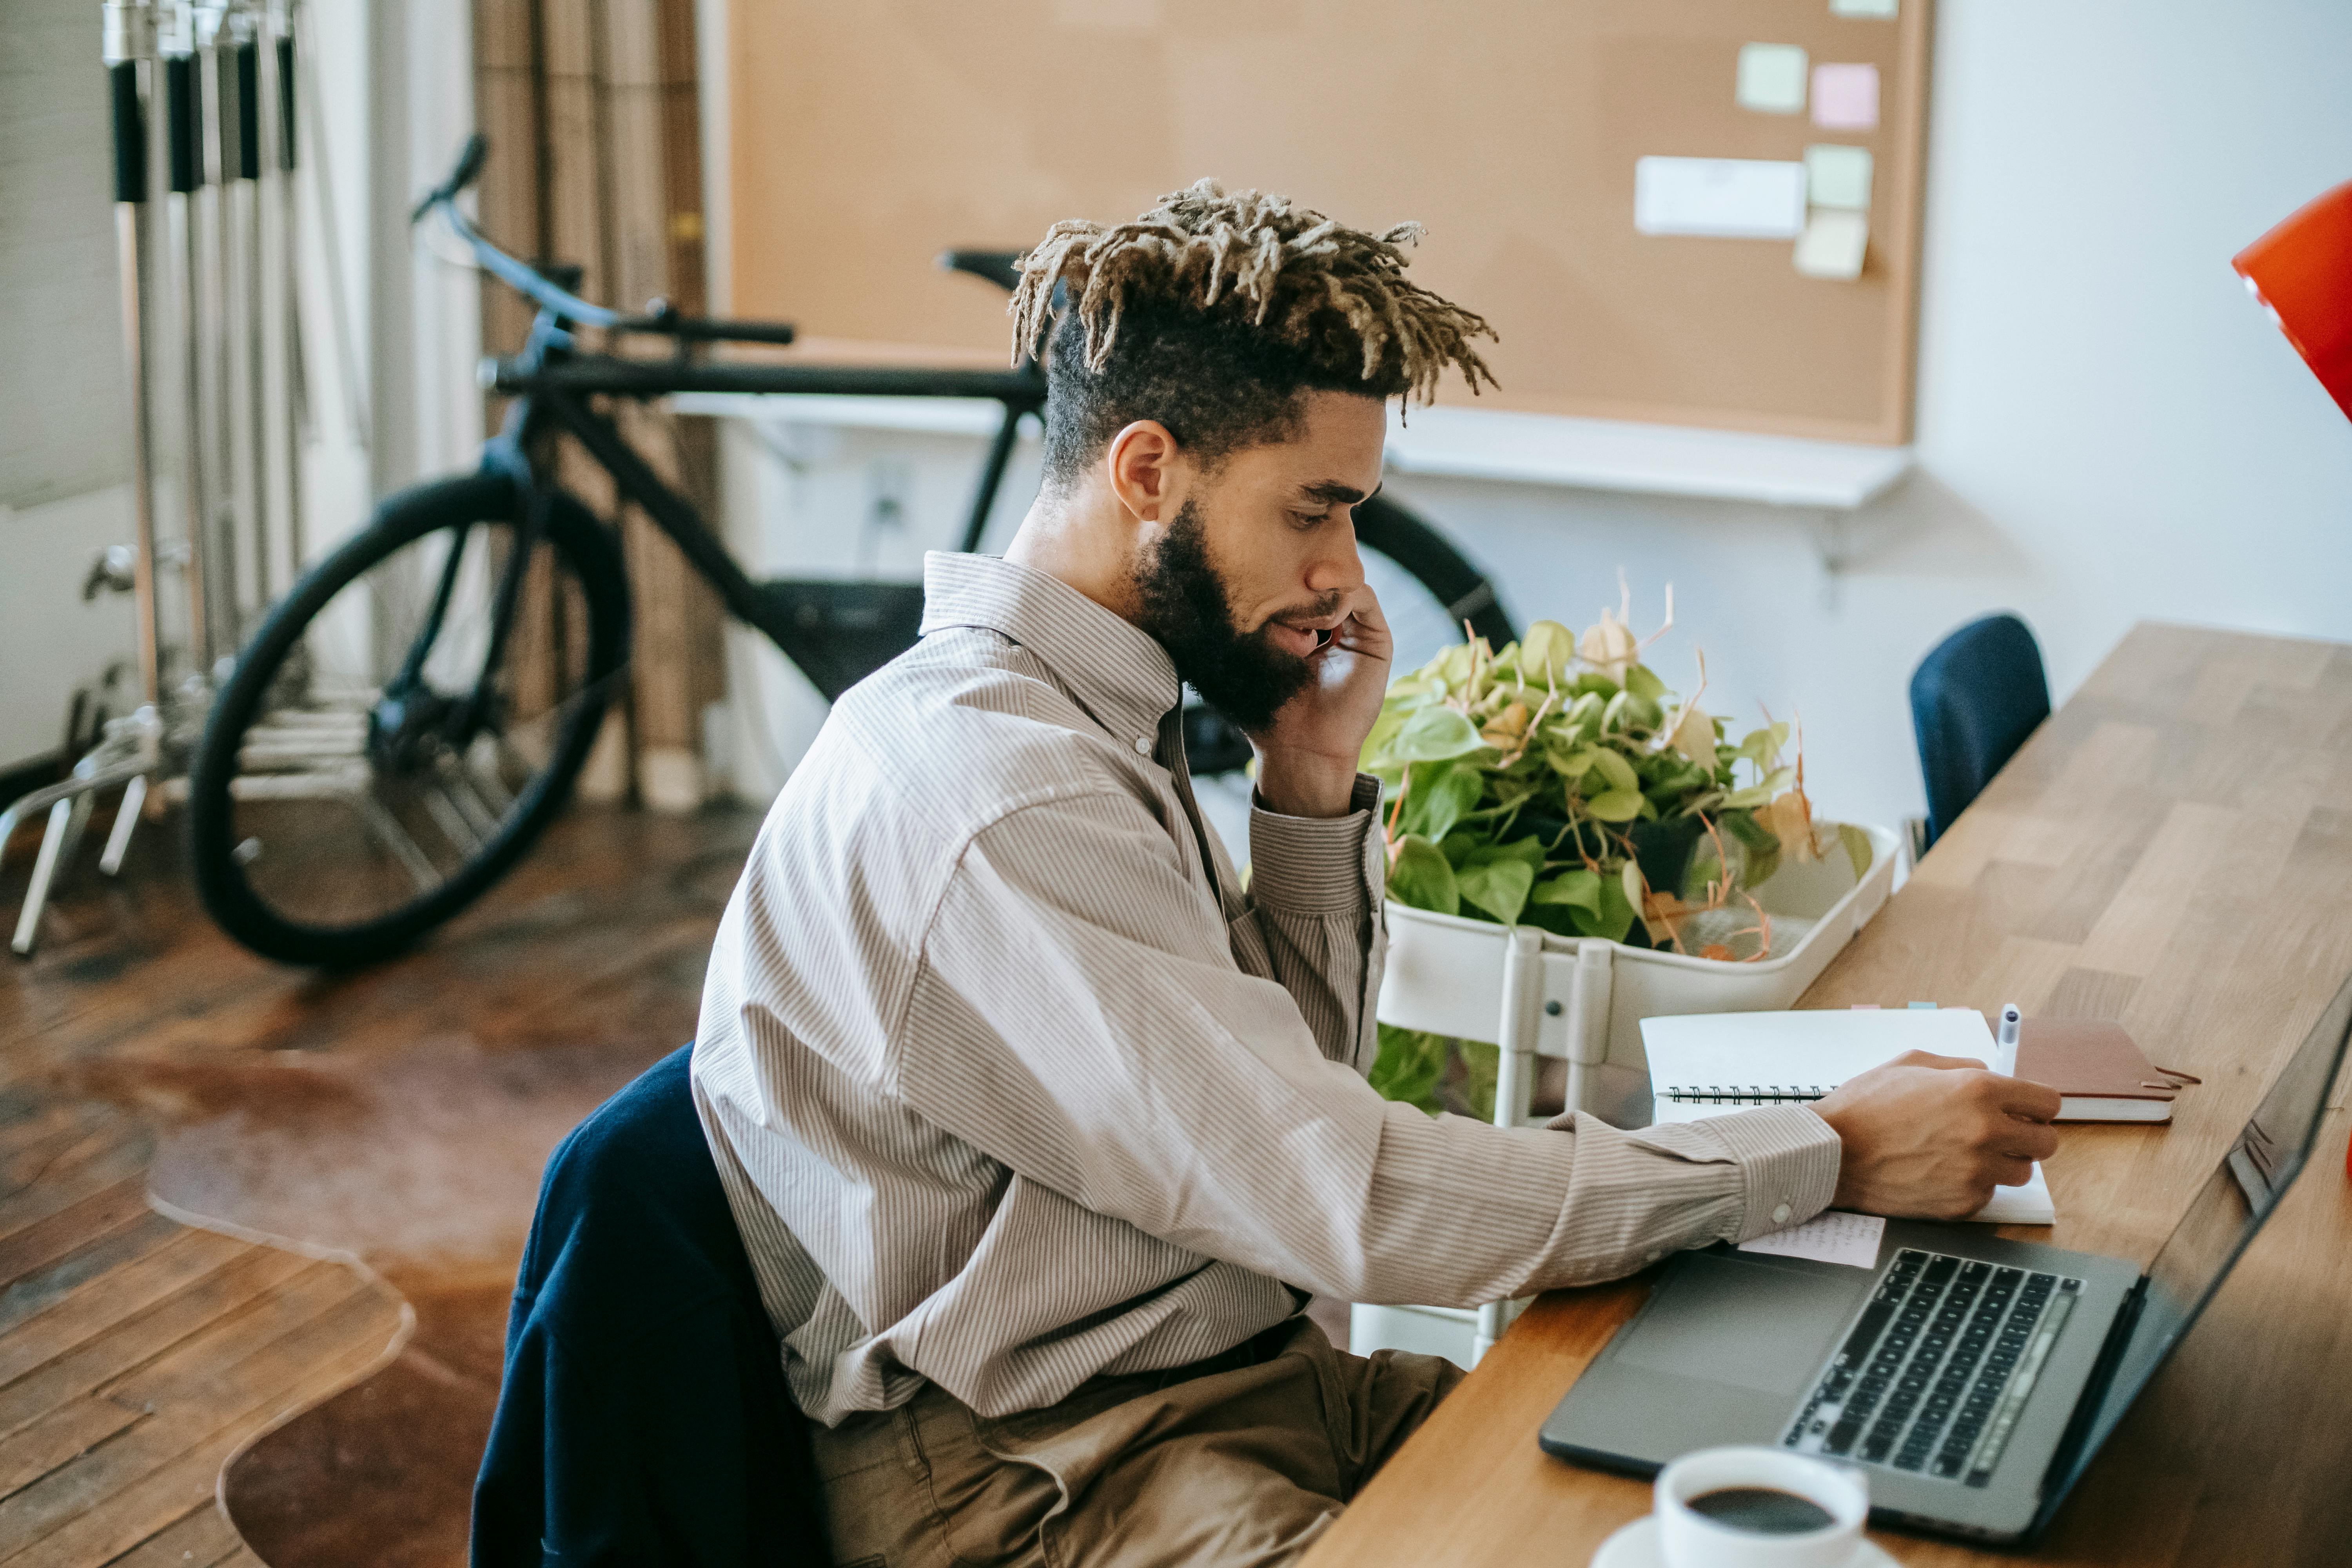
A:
<point x="1751" y="1324"/>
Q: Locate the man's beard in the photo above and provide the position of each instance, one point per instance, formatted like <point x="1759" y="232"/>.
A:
<point x="1245" y="677"/>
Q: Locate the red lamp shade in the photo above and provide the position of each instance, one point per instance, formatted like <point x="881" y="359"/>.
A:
<point x="2302" y="272"/>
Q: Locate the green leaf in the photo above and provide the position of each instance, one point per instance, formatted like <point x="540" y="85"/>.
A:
<point x="1761" y="794"/>
<point x="1394" y="711"/>
<point x="1642" y="682"/>
<point x="1451" y="667"/>
<point x="1857" y="849"/>
<point x="1616" y="805"/>
<point x="1569" y="761"/>
<point x="1580" y="889"/>
<point x="1614" y="767"/>
<point x="1439" y="795"/>
<point x="1763" y="747"/>
<point x="1527" y="851"/>
<point x="1482" y="1067"/>
<point x="1499" y="887"/>
<point x="1616" y="916"/>
<point x="1742" y="825"/>
<point x="1423" y="878"/>
<point x="1434" y="734"/>
<point x="1546" y="652"/>
<point x="1409" y="1067"/>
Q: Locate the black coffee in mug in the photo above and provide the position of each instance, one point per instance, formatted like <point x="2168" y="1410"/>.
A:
<point x="1761" y="1510"/>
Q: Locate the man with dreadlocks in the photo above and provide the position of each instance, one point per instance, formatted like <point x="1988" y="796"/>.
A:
<point x="1039" y="1125"/>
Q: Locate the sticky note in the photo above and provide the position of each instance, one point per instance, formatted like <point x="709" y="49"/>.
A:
<point x="1838" y="176"/>
<point x="1880" y="8"/>
<point x="1735" y="198"/>
<point x="1831" y="1236"/>
<point x="1772" y="78"/>
<point x="1832" y="244"/>
<point x="1845" y="96"/>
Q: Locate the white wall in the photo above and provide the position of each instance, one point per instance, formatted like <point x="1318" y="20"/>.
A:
<point x="2109" y="428"/>
<point x="391" y="387"/>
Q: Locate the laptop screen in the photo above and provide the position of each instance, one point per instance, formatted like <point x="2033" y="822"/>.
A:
<point x="2223" y="1217"/>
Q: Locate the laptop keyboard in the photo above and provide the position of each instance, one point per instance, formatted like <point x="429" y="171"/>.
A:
<point x="1934" y="1374"/>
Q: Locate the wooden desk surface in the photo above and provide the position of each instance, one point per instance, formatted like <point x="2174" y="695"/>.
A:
<point x="2173" y="849"/>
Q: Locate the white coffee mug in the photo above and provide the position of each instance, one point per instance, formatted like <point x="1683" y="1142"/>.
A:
<point x="1690" y="1539"/>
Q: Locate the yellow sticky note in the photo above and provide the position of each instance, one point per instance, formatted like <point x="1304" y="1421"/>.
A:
<point x="1833" y="244"/>
<point x="1772" y="78"/>
<point x="1837" y="177"/>
<point x="1880" y="8"/>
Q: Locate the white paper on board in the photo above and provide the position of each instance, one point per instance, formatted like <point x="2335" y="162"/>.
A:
<point x="1833" y="244"/>
<point x="1832" y="1236"/>
<point x="1772" y="78"/>
<point x="1838" y="176"/>
<point x="1880" y="8"/>
<point x="1737" y="199"/>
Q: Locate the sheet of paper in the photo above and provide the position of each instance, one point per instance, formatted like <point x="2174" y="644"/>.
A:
<point x="1824" y="1046"/>
<point x="1833" y="246"/>
<point x="1831" y="1236"/>
<point x="1845" y="96"/>
<point x="2027" y="1205"/>
<point x="1772" y="78"/>
<point x="1880" y="8"/>
<point x="1838" y="176"/>
<point x="1735" y="198"/>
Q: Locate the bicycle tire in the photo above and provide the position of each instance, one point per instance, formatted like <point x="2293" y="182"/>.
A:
<point x="1385" y="525"/>
<point x="581" y="544"/>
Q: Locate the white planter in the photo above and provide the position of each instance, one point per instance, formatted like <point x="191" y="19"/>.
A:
<point x="1582" y="1000"/>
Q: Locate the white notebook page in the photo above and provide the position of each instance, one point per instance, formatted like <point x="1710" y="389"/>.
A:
<point x="1702" y="1053"/>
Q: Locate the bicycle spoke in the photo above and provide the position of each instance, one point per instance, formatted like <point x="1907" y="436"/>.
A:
<point x="394" y="837"/>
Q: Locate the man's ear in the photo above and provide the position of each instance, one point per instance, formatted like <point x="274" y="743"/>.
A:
<point x="1142" y="463"/>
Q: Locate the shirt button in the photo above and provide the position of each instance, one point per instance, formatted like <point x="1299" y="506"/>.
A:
<point x="1655" y="1255"/>
<point x="1143" y="745"/>
<point x="1781" y="1214"/>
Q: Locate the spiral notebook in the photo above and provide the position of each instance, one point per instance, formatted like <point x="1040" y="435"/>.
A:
<point x="1716" y="1064"/>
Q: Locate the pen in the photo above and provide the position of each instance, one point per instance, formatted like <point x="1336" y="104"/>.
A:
<point x="2005" y="1043"/>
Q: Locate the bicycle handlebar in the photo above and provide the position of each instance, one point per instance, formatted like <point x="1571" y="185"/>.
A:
<point x="528" y="280"/>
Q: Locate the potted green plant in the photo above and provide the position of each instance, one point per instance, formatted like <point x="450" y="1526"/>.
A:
<point x="1559" y="782"/>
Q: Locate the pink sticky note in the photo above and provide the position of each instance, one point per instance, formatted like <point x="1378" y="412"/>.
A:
<point x="1845" y="96"/>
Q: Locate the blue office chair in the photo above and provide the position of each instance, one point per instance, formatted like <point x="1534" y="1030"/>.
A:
<point x="1974" y="699"/>
<point x="644" y="1416"/>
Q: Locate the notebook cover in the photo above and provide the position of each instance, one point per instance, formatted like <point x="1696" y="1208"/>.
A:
<point x="2089" y="1059"/>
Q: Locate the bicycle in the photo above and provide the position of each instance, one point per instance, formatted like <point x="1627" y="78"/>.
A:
<point x="410" y="717"/>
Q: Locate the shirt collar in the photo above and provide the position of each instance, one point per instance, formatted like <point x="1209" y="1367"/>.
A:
<point x="1116" y="670"/>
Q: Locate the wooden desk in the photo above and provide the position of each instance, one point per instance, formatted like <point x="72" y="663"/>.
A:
<point x="2172" y="849"/>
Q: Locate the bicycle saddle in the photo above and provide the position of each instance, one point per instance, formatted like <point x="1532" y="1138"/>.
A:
<point x="995" y="265"/>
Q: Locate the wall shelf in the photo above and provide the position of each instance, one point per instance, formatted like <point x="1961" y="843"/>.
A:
<point x="1831" y="480"/>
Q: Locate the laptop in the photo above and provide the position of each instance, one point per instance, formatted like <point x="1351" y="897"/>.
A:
<point x="1973" y="1378"/>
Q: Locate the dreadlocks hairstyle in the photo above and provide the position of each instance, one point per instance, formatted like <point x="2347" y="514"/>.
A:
<point x="1214" y="311"/>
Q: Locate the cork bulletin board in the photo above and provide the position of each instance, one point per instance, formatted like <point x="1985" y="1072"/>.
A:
<point x="867" y="137"/>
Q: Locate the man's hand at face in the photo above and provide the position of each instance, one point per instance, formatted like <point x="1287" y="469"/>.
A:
<point x="1929" y="1137"/>
<point x="1307" y="757"/>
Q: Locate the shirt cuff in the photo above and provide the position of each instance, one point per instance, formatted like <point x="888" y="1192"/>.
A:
<point x="1312" y="865"/>
<point x="1788" y="1163"/>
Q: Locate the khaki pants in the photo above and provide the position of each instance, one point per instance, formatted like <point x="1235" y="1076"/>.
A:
<point x="1241" y="1459"/>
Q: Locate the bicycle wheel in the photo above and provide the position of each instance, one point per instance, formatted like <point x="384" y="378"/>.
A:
<point x="385" y="750"/>
<point x="1427" y="588"/>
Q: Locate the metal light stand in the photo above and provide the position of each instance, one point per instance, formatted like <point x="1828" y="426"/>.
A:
<point x="296" y="390"/>
<point x="152" y="743"/>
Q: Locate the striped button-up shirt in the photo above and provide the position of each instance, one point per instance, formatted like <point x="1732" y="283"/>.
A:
<point x="1010" y="1083"/>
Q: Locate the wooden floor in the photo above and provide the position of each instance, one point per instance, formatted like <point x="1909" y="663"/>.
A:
<point x="136" y="1354"/>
